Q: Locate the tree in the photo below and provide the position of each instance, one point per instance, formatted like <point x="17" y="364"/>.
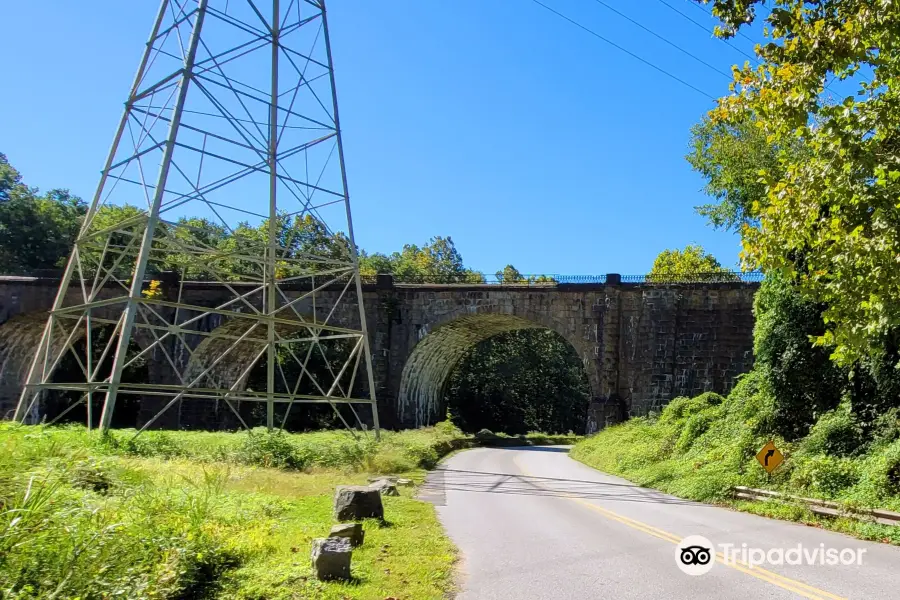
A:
<point x="804" y="382"/>
<point x="510" y="274"/>
<point x="436" y="262"/>
<point x="196" y="232"/>
<point x="692" y="263"/>
<point x="730" y="157"/>
<point x="301" y="241"/>
<point x="116" y="226"/>
<point x="373" y="264"/>
<point x="11" y="185"/>
<point x="829" y="217"/>
<point x="36" y="232"/>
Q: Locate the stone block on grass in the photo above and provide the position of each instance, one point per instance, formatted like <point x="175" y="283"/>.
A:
<point x="354" y="502"/>
<point x="392" y="478"/>
<point x="331" y="558"/>
<point x="386" y="487"/>
<point x="352" y="531"/>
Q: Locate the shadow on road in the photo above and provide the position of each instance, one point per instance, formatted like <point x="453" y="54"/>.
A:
<point x="441" y="480"/>
<point x="563" y="449"/>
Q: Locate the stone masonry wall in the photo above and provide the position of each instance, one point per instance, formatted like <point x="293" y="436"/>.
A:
<point x="641" y="344"/>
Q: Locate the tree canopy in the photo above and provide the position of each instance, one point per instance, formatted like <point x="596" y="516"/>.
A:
<point x="438" y="261"/>
<point x="828" y="214"/>
<point x="693" y="263"/>
<point x="36" y="231"/>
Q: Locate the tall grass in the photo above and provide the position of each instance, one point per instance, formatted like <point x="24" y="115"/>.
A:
<point x="61" y="537"/>
<point x="195" y="515"/>
<point x="396" y="452"/>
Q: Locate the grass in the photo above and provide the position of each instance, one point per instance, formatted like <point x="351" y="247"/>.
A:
<point x="700" y="448"/>
<point x="206" y="515"/>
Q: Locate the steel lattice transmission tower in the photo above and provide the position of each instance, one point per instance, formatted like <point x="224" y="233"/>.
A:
<point x="228" y="167"/>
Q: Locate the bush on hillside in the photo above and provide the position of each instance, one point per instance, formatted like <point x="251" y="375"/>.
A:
<point x="836" y="433"/>
<point x="880" y="478"/>
<point x="271" y="449"/>
<point x="695" y="426"/>
<point x="801" y="377"/>
<point x="886" y="428"/>
<point x="825" y="475"/>
<point x="684" y="407"/>
<point x="874" y="383"/>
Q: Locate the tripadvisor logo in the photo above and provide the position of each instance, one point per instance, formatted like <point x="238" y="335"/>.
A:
<point x="696" y="555"/>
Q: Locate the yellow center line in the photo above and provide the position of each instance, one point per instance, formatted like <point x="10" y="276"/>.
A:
<point x="791" y="585"/>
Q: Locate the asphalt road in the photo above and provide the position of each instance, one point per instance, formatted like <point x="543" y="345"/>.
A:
<point x="533" y="523"/>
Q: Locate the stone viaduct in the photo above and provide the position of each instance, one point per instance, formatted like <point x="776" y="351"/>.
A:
<point x="641" y="344"/>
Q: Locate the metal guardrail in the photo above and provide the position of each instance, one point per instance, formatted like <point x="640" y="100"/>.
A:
<point x="822" y="507"/>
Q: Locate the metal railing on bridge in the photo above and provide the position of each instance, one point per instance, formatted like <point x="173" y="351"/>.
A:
<point x="476" y="278"/>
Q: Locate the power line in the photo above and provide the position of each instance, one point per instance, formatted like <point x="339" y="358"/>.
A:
<point x="706" y="30"/>
<point x="709" y="14"/>
<point x="827" y="84"/>
<point x="673" y="44"/>
<point x="625" y="50"/>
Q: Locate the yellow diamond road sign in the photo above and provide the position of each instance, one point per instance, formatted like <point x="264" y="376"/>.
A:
<point x="770" y="457"/>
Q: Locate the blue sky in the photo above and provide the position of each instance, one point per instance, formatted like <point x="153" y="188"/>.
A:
<point x="523" y="137"/>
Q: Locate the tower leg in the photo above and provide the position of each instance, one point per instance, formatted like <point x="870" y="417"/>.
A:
<point x="140" y="269"/>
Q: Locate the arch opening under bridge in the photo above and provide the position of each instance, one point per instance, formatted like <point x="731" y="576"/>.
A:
<point x="21" y="335"/>
<point x="441" y="347"/>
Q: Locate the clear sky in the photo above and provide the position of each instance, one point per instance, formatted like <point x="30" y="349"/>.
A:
<point x="525" y="138"/>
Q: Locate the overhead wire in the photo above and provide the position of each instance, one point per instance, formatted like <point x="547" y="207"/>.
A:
<point x="827" y="84"/>
<point x="625" y="50"/>
<point x="664" y="39"/>
<point x="707" y="30"/>
<point x="710" y="14"/>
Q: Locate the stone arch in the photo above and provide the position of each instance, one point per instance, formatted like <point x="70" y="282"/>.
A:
<point x="235" y="371"/>
<point x="440" y="347"/>
<point x="245" y="353"/>
<point x="215" y="414"/>
<point x="20" y="336"/>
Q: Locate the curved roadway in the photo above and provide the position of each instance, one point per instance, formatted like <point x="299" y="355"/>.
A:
<point x="533" y="523"/>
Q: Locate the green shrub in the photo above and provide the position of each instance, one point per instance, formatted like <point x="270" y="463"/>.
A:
<point x="801" y="377"/>
<point x="874" y="382"/>
<point x="270" y="449"/>
<point x="881" y="473"/>
<point x="886" y="428"/>
<point x="837" y="432"/>
<point x="150" y="443"/>
<point x="824" y="475"/>
<point x="696" y="425"/>
<point x="674" y="410"/>
<point x="484" y="434"/>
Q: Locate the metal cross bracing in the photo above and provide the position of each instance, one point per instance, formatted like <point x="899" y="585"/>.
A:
<point x="227" y="166"/>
